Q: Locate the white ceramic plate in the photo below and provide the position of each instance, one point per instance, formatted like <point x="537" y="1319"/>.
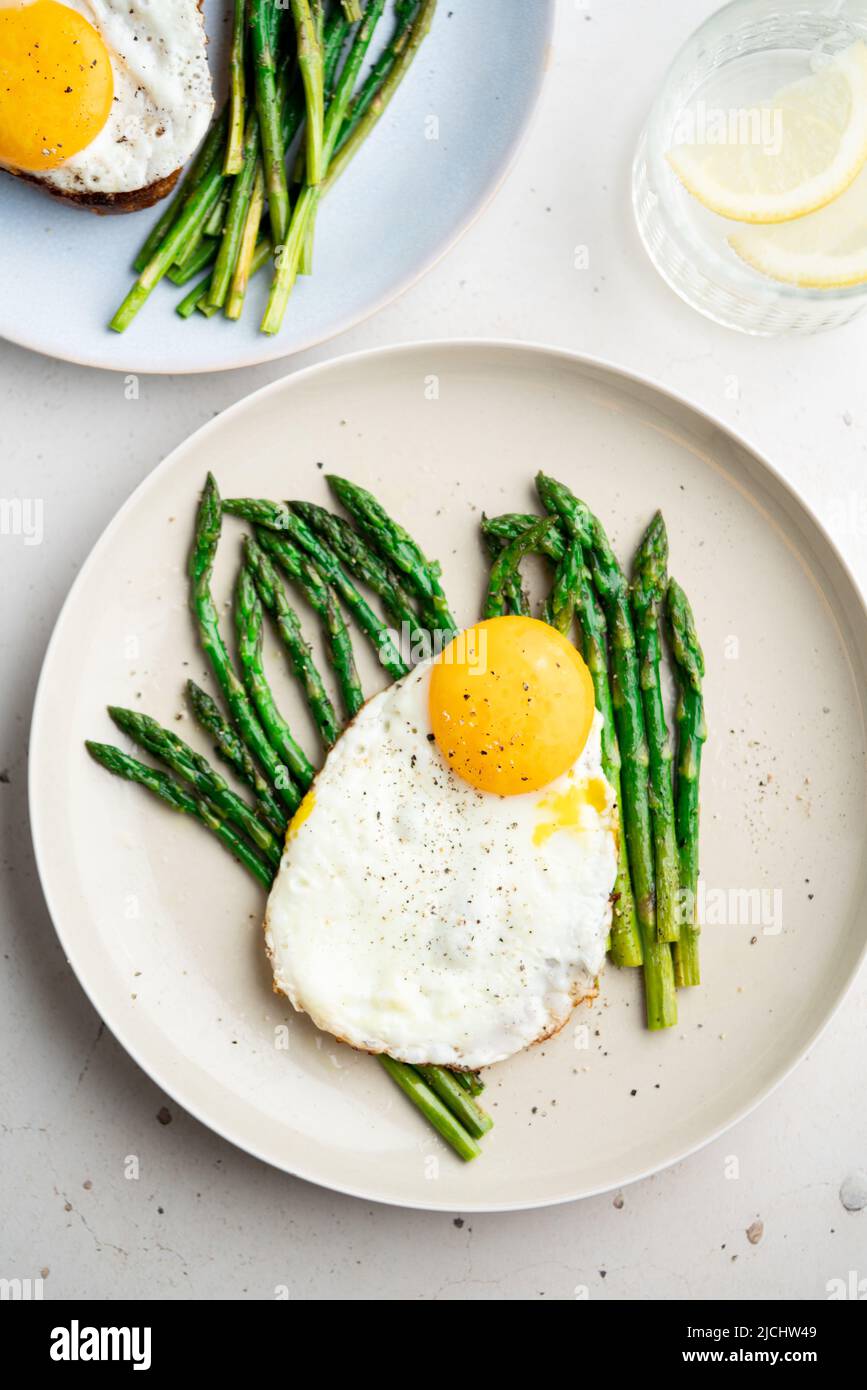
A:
<point x="403" y="202"/>
<point x="163" y="930"/>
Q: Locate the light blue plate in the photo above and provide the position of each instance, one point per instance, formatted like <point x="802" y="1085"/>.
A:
<point x="432" y="163"/>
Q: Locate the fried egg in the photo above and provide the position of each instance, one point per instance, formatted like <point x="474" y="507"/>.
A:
<point x="445" y="891"/>
<point x="101" y="97"/>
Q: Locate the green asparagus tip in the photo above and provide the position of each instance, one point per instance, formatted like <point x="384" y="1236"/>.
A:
<point x="650" y="567"/>
<point x="684" y="637"/>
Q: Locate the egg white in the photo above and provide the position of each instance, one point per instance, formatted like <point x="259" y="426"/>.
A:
<point x="162" y="96"/>
<point x="415" y="915"/>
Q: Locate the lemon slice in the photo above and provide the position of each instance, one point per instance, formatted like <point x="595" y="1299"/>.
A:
<point x="790" y="155"/>
<point x="825" y="250"/>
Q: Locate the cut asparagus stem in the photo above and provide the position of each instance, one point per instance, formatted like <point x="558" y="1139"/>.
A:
<point x="475" y="1121"/>
<point x="207" y="536"/>
<point x="192" y="217"/>
<point x="196" y="298"/>
<point x="239" y="202"/>
<point x="229" y="747"/>
<point x="247" y="250"/>
<point x="173" y="794"/>
<point x="352" y="10"/>
<point x="248" y="626"/>
<point x="404" y="14"/>
<point x="186" y="763"/>
<point x="208" y="156"/>
<point x="272" y="594"/>
<point x="379" y="103"/>
<point x="214" y="224"/>
<point x="205" y="254"/>
<point x="433" y="1109"/>
<point x="305" y="209"/>
<point x="610" y="584"/>
<point x="311" y="64"/>
<point x="689" y="671"/>
<point x="648" y="588"/>
<point x="354" y="553"/>
<point x="280" y="519"/>
<point x="268" y="108"/>
<point x="234" y="158"/>
<point x="337" y="111"/>
<point x="397" y="547"/>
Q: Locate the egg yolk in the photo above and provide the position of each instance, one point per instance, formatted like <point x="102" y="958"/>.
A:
<point x="511" y="705"/>
<point x="56" y="84"/>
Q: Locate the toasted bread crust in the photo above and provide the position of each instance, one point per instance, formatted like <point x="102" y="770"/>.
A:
<point x="106" y="203"/>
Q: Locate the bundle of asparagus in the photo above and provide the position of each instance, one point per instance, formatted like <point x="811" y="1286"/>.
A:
<point x="249" y="198"/>
<point x="316" y="552"/>
<point x="322" y="554"/>
<point x="654" y="919"/>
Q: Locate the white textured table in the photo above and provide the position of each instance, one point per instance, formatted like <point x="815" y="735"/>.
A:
<point x="204" y="1220"/>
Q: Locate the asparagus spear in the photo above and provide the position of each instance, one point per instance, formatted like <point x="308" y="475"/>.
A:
<point x="384" y="94"/>
<point x="507" y="562"/>
<point x="234" y="157"/>
<point x="305" y="208"/>
<point x="311" y="64"/>
<point x="204" y="255"/>
<point x="280" y="519"/>
<point x="239" y="202"/>
<point x="247" y="248"/>
<point x="196" y="299"/>
<point x="511" y="524"/>
<point x="261" y="573"/>
<point x="610" y="584"/>
<point x="460" y="1102"/>
<point x="352" y="10"/>
<point x="231" y="749"/>
<point x="300" y="568"/>
<point x="433" y="1109"/>
<point x="174" y="795"/>
<point x="207" y="536"/>
<point x="397" y="548"/>
<point x="515" y="596"/>
<point x="193" y="215"/>
<point x="689" y="670"/>
<point x="268" y="108"/>
<point x="248" y="626"/>
<point x="404" y="14"/>
<point x="208" y="156"/>
<point x="349" y="548"/>
<point x="185" y="762"/>
<point x="648" y="590"/>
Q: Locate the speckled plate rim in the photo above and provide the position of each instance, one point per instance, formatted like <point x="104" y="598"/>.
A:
<point x="270" y="350"/>
<point x="857" y="616"/>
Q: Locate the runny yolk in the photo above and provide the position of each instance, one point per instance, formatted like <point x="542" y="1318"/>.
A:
<point x="511" y="705"/>
<point x="56" y="84"/>
<point x="565" y="808"/>
<point x="308" y="801"/>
